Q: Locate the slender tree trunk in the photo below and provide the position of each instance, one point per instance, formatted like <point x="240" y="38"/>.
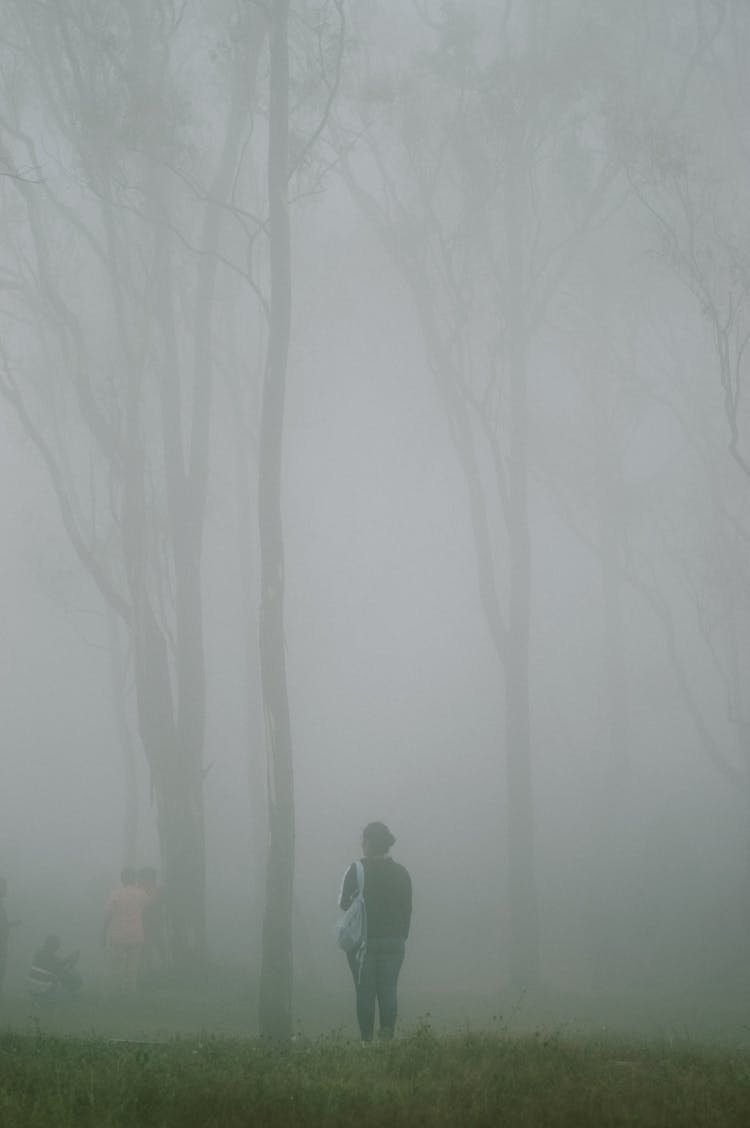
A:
<point x="524" y="954"/>
<point x="609" y="510"/>
<point x="243" y="418"/>
<point x="275" y="1010"/>
<point x="181" y="807"/>
<point x="247" y="551"/>
<point x="187" y="822"/>
<point x="125" y="740"/>
<point x="734" y="604"/>
<point x="605" y="926"/>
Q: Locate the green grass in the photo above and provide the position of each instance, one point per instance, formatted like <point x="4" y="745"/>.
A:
<point x="420" y="1079"/>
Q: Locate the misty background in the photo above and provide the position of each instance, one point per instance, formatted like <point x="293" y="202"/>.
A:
<point x="515" y="460"/>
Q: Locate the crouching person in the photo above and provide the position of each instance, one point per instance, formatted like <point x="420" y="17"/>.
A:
<point x="51" y="972"/>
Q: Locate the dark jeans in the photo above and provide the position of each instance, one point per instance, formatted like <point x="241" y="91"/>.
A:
<point x="376" y="977"/>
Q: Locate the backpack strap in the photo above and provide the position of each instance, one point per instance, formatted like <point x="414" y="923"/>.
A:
<point x="360" y="956"/>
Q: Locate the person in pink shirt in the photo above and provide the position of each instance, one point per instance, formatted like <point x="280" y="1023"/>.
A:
<point x="123" y="932"/>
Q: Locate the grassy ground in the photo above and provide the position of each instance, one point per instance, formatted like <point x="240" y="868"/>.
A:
<point x="420" y="1079"/>
<point x="546" y="1059"/>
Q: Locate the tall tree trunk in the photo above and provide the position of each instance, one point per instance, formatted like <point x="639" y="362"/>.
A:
<point x="609" y="518"/>
<point x="524" y="953"/>
<point x="245" y="455"/>
<point x="243" y="422"/>
<point x="124" y="739"/>
<point x="187" y="818"/>
<point x="275" y="1010"/>
<point x="181" y="806"/>
<point x="606" y="926"/>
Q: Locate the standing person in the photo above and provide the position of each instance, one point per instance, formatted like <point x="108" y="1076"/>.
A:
<point x="376" y="965"/>
<point x="5" y="927"/>
<point x="123" y="932"/>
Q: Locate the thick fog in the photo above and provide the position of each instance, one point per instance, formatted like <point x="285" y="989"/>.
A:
<point x="519" y="272"/>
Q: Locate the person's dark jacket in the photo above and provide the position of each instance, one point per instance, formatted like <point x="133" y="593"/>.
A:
<point x="387" y="897"/>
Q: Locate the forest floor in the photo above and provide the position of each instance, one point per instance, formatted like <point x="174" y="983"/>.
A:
<point x="227" y="1007"/>
<point x="192" y="1057"/>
